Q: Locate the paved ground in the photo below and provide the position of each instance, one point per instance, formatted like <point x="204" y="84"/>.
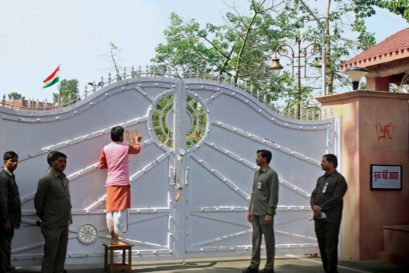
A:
<point x="283" y="265"/>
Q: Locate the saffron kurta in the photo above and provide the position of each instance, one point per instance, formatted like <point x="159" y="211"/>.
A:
<point x="114" y="157"/>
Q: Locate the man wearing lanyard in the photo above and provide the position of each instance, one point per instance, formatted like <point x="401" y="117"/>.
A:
<point x="53" y="205"/>
<point x="326" y="204"/>
<point x="263" y="204"/>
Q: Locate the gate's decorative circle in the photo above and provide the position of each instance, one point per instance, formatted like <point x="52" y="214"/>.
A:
<point x="198" y="117"/>
<point x="160" y="116"/>
<point x="162" y="120"/>
<point x="87" y="234"/>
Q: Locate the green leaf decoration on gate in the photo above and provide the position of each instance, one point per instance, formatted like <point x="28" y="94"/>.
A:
<point x="199" y="119"/>
<point x="162" y="121"/>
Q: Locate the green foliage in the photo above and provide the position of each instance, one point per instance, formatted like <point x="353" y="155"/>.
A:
<point x="15" y="96"/>
<point x="399" y="7"/>
<point x="163" y="109"/>
<point x="341" y="24"/>
<point x="114" y="53"/>
<point x="241" y="49"/>
<point x="199" y="120"/>
<point x="68" y="92"/>
<point x="365" y="8"/>
<point x="159" y="121"/>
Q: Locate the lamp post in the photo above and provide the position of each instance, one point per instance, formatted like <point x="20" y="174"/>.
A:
<point x="295" y="58"/>
<point x="356" y="73"/>
<point x="323" y="57"/>
<point x="323" y="51"/>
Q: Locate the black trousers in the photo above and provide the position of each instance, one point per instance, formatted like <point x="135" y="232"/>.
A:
<point x="327" y="236"/>
<point x="5" y="249"/>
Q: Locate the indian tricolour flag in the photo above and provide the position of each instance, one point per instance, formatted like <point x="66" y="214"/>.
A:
<point x="52" y="79"/>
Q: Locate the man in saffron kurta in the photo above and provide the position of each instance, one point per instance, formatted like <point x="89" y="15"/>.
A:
<point x="114" y="157"/>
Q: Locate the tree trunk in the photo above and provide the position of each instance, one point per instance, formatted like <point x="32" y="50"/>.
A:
<point x="223" y="68"/>
<point x="330" y="72"/>
<point x="239" y="57"/>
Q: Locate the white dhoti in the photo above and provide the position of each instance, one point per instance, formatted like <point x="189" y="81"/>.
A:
<point x="118" y="202"/>
<point x="117" y="221"/>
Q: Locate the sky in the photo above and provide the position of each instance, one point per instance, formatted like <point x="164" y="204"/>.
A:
<point x="38" y="35"/>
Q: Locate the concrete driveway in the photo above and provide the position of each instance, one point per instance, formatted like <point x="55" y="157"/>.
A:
<point x="235" y="265"/>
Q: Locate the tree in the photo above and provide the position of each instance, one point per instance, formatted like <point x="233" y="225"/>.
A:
<point x="342" y="21"/>
<point x="399" y="7"/>
<point x="15" y="96"/>
<point x="365" y="8"/>
<point x="242" y="48"/>
<point x="68" y="92"/>
<point x="114" y="53"/>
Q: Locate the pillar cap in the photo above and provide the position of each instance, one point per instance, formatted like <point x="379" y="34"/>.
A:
<point x="362" y="94"/>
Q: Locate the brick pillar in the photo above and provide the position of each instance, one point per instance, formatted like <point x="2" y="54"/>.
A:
<point x="378" y="83"/>
<point x="375" y="128"/>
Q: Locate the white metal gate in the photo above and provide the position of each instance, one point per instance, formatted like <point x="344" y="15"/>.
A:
<point x="190" y="184"/>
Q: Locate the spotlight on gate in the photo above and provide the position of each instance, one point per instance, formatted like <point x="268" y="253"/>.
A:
<point x="356" y="73"/>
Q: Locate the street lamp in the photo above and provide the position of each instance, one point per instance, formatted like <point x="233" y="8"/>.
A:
<point x="275" y="65"/>
<point x="295" y="59"/>
<point x="323" y="50"/>
<point x="356" y="73"/>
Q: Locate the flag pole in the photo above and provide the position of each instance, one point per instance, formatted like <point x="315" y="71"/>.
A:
<point x="59" y="89"/>
<point x="52" y="79"/>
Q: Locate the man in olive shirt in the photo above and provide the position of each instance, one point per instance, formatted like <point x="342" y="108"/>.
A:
<point x="10" y="209"/>
<point x="326" y="204"/>
<point x="53" y="206"/>
<point x="263" y="204"/>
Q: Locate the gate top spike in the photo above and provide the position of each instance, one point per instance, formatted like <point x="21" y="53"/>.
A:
<point x="133" y="72"/>
<point x="101" y="83"/>
<point x="109" y="78"/>
<point x="94" y="86"/>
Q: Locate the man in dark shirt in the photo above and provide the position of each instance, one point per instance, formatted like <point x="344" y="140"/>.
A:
<point x="326" y="204"/>
<point x="10" y="209"/>
<point x="53" y="206"/>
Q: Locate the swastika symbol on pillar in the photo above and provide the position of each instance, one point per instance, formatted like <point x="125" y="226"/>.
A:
<point x="384" y="131"/>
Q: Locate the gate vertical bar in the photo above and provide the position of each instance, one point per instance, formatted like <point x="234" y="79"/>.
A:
<point x="179" y="143"/>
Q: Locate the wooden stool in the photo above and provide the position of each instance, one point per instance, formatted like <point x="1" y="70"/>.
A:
<point x="110" y="266"/>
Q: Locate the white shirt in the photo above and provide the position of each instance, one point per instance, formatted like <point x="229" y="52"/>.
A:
<point x="7" y="171"/>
